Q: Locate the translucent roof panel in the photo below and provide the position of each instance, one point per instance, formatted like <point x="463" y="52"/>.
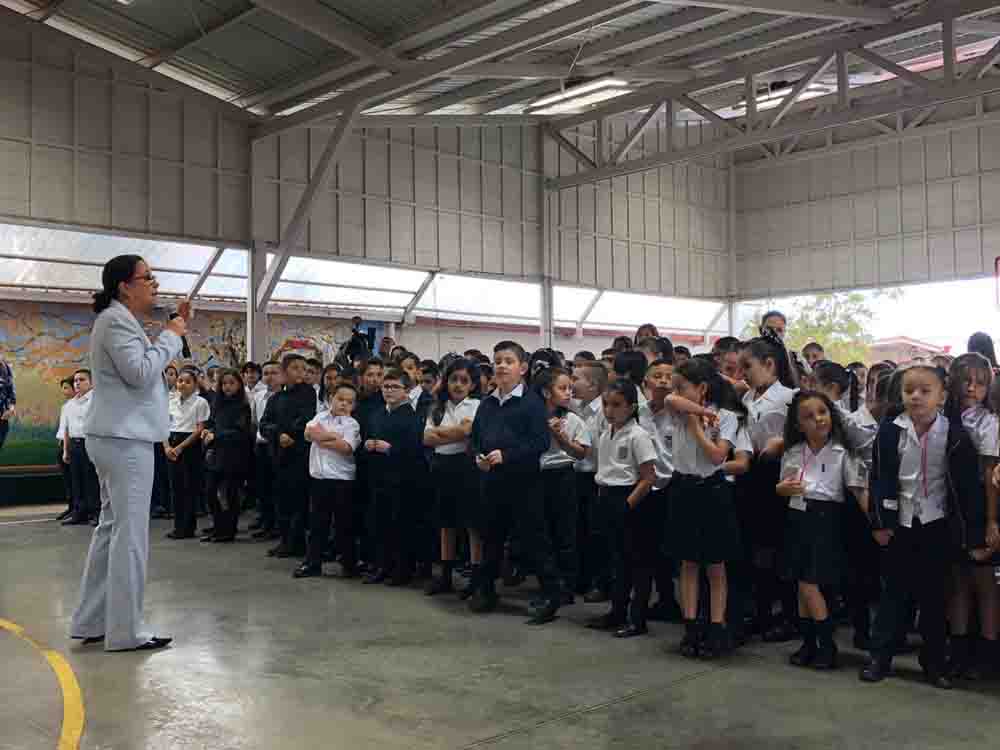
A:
<point x="60" y="244"/>
<point x="352" y="275"/>
<point x="224" y="286"/>
<point x="484" y="298"/>
<point x="618" y="309"/>
<point x="569" y="303"/>
<point x="233" y="262"/>
<point x="42" y="274"/>
<point x="339" y="297"/>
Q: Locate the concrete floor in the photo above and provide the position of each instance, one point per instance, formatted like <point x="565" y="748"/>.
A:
<point x="263" y="661"/>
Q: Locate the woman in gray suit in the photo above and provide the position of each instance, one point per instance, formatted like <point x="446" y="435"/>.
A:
<point x="128" y="415"/>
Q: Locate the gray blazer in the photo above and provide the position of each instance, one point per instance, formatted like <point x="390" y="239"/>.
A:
<point x="130" y="394"/>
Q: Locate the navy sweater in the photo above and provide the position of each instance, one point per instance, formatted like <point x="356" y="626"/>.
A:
<point x="519" y="429"/>
<point x="400" y="429"/>
<point x="287" y="413"/>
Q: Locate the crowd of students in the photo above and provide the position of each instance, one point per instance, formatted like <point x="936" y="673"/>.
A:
<point x="760" y="493"/>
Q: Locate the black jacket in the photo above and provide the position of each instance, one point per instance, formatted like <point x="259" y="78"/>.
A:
<point x="287" y="413"/>
<point x="401" y="430"/>
<point x="231" y="425"/>
<point x="966" y="491"/>
<point x="519" y="429"/>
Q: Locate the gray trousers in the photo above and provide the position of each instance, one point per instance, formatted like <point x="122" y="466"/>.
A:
<point x="114" y="579"/>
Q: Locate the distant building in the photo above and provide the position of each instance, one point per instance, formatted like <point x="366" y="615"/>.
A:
<point x="902" y="349"/>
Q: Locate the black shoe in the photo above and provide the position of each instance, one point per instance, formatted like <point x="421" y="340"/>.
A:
<point x="308" y="570"/>
<point x="440" y="585"/>
<point x="65" y="514"/>
<point x="874" y="671"/>
<point x="280" y="551"/>
<point x="482" y="602"/>
<point x="665" y="611"/>
<point x="938" y="680"/>
<point x="595" y="596"/>
<point x="716" y="642"/>
<point x="376" y="576"/>
<point x="96" y="521"/>
<point x="545" y="613"/>
<point x="781" y="633"/>
<point x="468" y="590"/>
<point x="609" y="621"/>
<point x="76" y="521"/>
<point x="158" y="514"/>
<point x="804" y="656"/>
<point x="631" y="631"/>
<point x="826" y="656"/>
<point x="207" y="532"/>
<point x="178" y="535"/>
<point x="207" y="538"/>
<point x="691" y="644"/>
<point x="153" y="644"/>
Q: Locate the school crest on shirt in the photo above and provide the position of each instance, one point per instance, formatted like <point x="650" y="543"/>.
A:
<point x="623" y="452"/>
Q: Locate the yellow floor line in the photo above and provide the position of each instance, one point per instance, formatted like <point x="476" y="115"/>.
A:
<point x="73" y="712"/>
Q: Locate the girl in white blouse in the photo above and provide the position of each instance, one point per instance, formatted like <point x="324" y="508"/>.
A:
<point x="816" y="468"/>
<point x="453" y="471"/>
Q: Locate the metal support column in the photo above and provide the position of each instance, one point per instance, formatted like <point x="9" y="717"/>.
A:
<point x="258" y="339"/>
<point x="545" y="314"/>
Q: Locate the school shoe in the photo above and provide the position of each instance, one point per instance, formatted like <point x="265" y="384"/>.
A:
<point x="376" y="576"/>
<point x="208" y="532"/>
<point x="609" y="621"/>
<point x="631" y="631"/>
<point x="153" y="644"/>
<point x="280" y="551"/>
<point x="716" y="642"/>
<point x="826" y="656"/>
<point x="807" y="651"/>
<point x="960" y="666"/>
<point x="261" y="533"/>
<point x="875" y="670"/>
<point x="691" y="644"/>
<point x="65" y="514"/>
<point x="482" y="601"/>
<point x="934" y="675"/>
<point x="308" y="570"/>
<point x="545" y="613"/>
<point x="595" y="596"/>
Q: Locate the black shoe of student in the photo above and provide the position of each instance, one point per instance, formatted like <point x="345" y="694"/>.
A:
<point x="207" y="538"/>
<point x="545" y="613"/>
<point x="424" y="570"/>
<point x="76" y="521"/>
<point x="874" y="671"/>
<point x="631" y="631"/>
<point x="65" y="514"/>
<point x="178" y="535"/>
<point x="439" y="585"/>
<point x="608" y="621"/>
<point x="482" y="602"/>
<point x="716" y="643"/>
<point x="938" y="679"/>
<point x="280" y="551"/>
<point x="691" y="644"/>
<point x="826" y="657"/>
<point x="666" y="611"/>
<point x="805" y="656"/>
<point x="781" y="633"/>
<point x="308" y="570"/>
<point x="468" y="590"/>
<point x="207" y="532"/>
<point x="595" y="596"/>
<point x="376" y="576"/>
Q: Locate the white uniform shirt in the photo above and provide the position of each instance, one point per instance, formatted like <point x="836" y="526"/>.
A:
<point x="556" y="456"/>
<point x="415" y="396"/>
<point x="452" y="417"/>
<point x="661" y="428"/>
<point x="689" y="456"/>
<point x="592" y="415"/>
<point x="861" y="429"/>
<point x="257" y="405"/>
<point x="518" y="391"/>
<point x="76" y="414"/>
<point x="825" y="474"/>
<point x="767" y="414"/>
<point x="923" y="465"/>
<point x="326" y="463"/>
<point x="742" y="445"/>
<point x="620" y="455"/>
<point x="186" y="413"/>
<point x="984" y="429"/>
<point x="61" y="429"/>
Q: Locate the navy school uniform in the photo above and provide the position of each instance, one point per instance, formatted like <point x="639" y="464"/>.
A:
<point x="231" y="425"/>
<point x="930" y="493"/>
<point x="517" y="426"/>
<point x="390" y="478"/>
<point x="364" y="512"/>
<point x="594" y="559"/>
<point x="454" y="474"/>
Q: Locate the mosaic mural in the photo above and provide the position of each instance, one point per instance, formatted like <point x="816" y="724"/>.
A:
<point x="45" y="342"/>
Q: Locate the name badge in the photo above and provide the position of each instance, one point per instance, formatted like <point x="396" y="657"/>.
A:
<point x="797" y="502"/>
<point x="890" y="504"/>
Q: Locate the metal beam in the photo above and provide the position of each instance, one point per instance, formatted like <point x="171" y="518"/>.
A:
<point x="783" y="34"/>
<point x="718" y="316"/>
<point x="47" y="11"/>
<point x="300" y="219"/>
<point x="516" y="96"/>
<point x="158" y="58"/>
<point x="419" y="295"/>
<point x="553" y="26"/>
<point x="321" y="20"/>
<point x="559" y="71"/>
<point x="644" y="33"/>
<point x="843" y="82"/>
<point x="897" y="70"/>
<point x="805" y="8"/>
<point x="857" y="114"/>
<point x="799" y="89"/>
<point x="948" y="49"/>
<point x="457" y="96"/>
<point x="979" y="26"/>
<point x="750" y="94"/>
<point x="708" y="114"/>
<point x="589" y="308"/>
<point x="636" y="133"/>
<point x="571" y="148"/>
<point x="984" y="63"/>
<point x="711" y="36"/>
<point x="779" y="59"/>
<point x="205" y="273"/>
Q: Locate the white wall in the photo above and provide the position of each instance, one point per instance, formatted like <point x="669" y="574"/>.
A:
<point x="884" y="211"/>
<point x="87" y="138"/>
<point x="664" y="230"/>
<point x="439" y="197"/>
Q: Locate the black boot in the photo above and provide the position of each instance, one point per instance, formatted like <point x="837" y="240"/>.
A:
<point x="716" y="642"/>
<point x="443" y="584"/>
<point x="961" y="656"/>
<point x="826" y="655"/>
<point x="475" y="574"/>
<point x="484" y="598"/>
<point x="876" y="670"/>
<point x="807" y="651"/>
<point x="691" y="643"/>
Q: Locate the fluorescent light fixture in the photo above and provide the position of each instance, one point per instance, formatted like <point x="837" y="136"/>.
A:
<point x="570" y="106"/>
<point x="575" y="91"/>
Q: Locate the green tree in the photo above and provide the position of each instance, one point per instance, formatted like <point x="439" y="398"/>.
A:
<point x="839" y="321"/>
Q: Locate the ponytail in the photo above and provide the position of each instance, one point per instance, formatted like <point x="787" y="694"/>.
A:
<point x="830" y="373"/>
<point x="118" y="269"/>
<point x="771" y="347"/>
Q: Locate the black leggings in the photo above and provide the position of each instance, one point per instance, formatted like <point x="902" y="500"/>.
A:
<point x="185" y="482"/>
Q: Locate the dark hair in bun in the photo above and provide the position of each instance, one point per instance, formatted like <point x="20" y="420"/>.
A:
<point x="118" y="269"/>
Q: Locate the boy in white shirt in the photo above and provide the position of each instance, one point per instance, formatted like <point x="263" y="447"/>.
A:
<point x="66" y="384"/>
<point x="86" y="490"/>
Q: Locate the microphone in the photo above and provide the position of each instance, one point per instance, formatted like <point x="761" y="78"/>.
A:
<point x="185" y="349"/>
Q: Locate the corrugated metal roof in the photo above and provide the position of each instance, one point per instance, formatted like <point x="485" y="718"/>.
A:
<point x="384" y="17"/>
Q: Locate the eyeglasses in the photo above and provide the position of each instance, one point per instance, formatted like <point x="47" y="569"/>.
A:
<point x="392" y="387"/>
<point x="148" y="276"/>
